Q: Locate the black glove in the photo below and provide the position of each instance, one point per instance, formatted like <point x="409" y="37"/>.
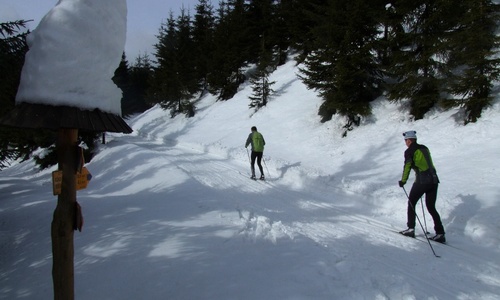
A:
<point x="401" y="183"/>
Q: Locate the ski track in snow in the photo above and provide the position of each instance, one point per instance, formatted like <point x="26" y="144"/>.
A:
<point x="278" y="213"/>
<point x="314" y="227"/>
<point x="166" y="217"/>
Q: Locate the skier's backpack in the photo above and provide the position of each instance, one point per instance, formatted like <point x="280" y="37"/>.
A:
<point x="258" y="142"/>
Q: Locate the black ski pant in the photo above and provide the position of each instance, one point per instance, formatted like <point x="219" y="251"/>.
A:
<point x="258" y="156"/>
<point x="430" y="191"/>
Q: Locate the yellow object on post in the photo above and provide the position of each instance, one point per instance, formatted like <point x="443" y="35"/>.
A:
<point x="56" y="182"/>
<point x="82" y="180"/>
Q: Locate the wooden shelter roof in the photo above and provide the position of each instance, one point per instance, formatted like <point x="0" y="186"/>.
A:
<point x="29" y="115"/>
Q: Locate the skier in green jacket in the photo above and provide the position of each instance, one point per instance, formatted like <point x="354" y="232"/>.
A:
<point x="257" y="141"/>
<point x="418" y="158"/>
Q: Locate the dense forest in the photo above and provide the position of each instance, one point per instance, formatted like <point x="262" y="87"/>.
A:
<point x="429" y="53"/>
<point x="432" y="53"/>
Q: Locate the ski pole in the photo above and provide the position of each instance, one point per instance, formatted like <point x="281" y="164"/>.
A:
<point x="423" y="214"/>
<point x="413" y="208"/>
<point x="269" y="174"/>
<point x="248" y="154"/>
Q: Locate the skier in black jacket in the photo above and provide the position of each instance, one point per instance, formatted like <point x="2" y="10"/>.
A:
<point x="418" y="158"/>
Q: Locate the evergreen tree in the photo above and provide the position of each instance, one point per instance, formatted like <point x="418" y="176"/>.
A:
<point x="165" y="86"/>
<point x="122" y="81"/>
<point x="174" y="80"/>
<point x="203" y="40"/>
<point x="186" y="56"/>
<point x="345" y="47"/>
<point x="342" y="66"/>
<point x="474" y="57"/>
<point x="230" y="50"/>
<point x="279" y="33"/>
<point x="218" y="73"/>
<point x="260" y="15"/>
<point x="14" y="143"/>
<point x="418" y="66"/>
<point x="390" y="22"/>
<point x="140" y="75"/>
<point x="261" y="86"/>
<point x="133" y="81"/>
<point x="13" y="48"/>
<point x="186" y="65"/>
<point x="300" y="17"/>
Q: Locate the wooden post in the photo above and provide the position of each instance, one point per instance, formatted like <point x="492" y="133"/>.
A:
<point x="64" y="217"/>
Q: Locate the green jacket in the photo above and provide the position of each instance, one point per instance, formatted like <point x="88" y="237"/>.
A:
<point x="256" y="140"/>
<point x="418" y="158"/>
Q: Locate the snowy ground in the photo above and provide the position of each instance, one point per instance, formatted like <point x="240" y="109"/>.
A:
<point x="171" y="214"/>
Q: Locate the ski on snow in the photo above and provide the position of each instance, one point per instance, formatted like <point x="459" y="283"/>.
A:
<point x="253" y="179"/>
<point x="423" y="239"/>
<point x="427" y="241"/>
<point x="257" y="179"/>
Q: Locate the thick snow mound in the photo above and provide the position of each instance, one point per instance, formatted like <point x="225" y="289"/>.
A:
<point x="73" y="54"/>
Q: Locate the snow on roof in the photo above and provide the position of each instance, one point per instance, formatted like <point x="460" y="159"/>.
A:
<point x="73" y="55"/>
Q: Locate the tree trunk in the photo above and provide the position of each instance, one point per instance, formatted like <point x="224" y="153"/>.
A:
<point x="64" y="217"/>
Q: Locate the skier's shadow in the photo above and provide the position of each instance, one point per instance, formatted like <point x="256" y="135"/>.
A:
<point x="287" y="167"/>
<point x="460" y="216"/>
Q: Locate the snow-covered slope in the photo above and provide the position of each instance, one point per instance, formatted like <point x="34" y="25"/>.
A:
<point x="171" y="214"/>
